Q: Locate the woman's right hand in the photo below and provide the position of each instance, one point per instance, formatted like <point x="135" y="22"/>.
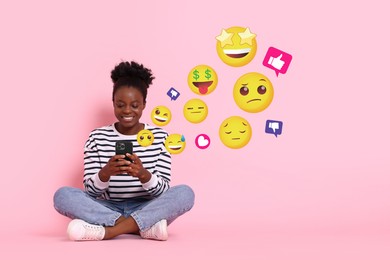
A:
<point x="116" y="165"/>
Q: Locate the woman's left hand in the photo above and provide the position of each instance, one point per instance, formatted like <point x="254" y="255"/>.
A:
<point x="137" y="169"/>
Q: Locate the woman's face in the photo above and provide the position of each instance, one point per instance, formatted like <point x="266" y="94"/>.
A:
<point x="128" y="107"/>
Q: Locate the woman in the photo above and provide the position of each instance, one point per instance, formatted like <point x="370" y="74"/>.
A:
<point x="125" y="196"/>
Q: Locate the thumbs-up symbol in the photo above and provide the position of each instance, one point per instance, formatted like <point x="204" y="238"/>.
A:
<point x="276" y="62"/>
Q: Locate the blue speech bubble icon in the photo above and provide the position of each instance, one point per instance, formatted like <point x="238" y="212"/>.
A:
<point x="173" y="94"/>
<point x="274" y="127"/>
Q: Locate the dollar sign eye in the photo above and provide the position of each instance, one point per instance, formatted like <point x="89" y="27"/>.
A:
<point x="261" y="89"/>
<point x="157" y="112"/>
<point x="208" y="74"/>
<point x="196" y="75"/>
<point x="244" y="91"/>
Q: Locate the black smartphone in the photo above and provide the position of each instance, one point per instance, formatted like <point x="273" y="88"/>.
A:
<point x="124" y="147"/>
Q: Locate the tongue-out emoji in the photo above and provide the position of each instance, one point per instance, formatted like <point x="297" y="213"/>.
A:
<point x="202" y="80"/>
<point x="203" y="86"/>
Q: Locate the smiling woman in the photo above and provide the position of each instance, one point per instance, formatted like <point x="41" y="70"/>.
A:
<point x="128" y="196"/>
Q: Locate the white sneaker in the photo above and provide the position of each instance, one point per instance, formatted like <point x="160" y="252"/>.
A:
<point x="158" y="231"/>
<point x="79" y="230"/>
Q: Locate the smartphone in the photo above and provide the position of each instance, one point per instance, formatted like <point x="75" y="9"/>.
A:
<point x="124" y="147"/>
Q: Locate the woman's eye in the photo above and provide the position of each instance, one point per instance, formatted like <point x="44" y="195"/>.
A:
<point x="261" y="90"/>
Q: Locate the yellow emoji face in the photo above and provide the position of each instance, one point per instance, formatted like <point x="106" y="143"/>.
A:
<point x="235" y="132"/>
<point x="236" y="46"/>
<point x="253" y="92"/>
<point x="175" y="143"/>
<point x="195" y="110"/>
<point x="145" y="137"/>
<point x="161" y="115"/>
<point x="202" y="80"/>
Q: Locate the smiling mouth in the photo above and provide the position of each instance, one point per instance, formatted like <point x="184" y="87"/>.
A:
<point x="127" y="118"/>
<point x="256" y="99"/>
<point x="160" y="119"/>
<point x="203" y="86"/>
<point x="236" y="54"/>
<point x="175" y="147"/>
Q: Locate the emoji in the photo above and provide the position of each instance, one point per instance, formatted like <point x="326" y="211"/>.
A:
<point x="195" y="110"/>
<point x="202" y="141"/>
<point x="175" y="143"/>
<point x="253" y="92"/>
<point x="235" y="132"/>
<point x="236" y="46"/>
<point x="202" y="80"/>
<point x="161" y="115"/>
<point x="145" y="137"/>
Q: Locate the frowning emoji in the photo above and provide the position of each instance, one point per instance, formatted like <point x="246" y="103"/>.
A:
<point x="253" y="92"/>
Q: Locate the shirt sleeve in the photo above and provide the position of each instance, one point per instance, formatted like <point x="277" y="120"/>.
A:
<point x="92" y="166"/>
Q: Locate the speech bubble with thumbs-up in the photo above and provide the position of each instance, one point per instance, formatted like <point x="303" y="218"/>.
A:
<point x="277" y="60"/>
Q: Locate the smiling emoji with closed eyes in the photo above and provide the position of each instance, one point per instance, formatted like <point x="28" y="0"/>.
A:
<point x="175" y="143"/>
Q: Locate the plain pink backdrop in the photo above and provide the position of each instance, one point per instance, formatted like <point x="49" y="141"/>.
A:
<point x="318" y="191"/>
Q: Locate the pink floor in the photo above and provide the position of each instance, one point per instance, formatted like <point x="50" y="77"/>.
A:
<point x="204" y="242"/>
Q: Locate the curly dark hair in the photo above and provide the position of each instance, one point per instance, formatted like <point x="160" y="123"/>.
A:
<point x="132" y="74"/>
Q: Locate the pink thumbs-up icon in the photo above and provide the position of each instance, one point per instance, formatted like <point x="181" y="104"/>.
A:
<point x="277" y="60"/>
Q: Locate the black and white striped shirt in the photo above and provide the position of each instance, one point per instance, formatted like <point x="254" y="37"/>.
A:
<point x="100" y="147"/>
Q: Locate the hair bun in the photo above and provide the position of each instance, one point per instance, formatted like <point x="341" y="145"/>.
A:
<point x="131" y="70"/>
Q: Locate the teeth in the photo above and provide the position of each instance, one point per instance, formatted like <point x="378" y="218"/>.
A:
<point x="160" y="118"/>
<point x="127" y="117"/>
<point x="174" y="147"/>
<point x="239" y="51"/>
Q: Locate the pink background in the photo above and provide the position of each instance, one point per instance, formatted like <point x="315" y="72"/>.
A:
<point x="318" y="191"/>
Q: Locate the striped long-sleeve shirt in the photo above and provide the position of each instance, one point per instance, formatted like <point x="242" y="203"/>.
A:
<point x="100" y="147"/>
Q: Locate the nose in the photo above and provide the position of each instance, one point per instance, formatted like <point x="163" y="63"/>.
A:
<point x="127" y="109"/>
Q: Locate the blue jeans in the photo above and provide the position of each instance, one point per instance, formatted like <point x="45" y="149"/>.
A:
<point x="76" y="203"/>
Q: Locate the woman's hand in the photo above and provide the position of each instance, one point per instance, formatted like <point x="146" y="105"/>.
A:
<point x="137" y="169"/>
<point x="116" y="165"/>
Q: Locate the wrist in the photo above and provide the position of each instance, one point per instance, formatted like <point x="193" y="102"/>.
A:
<point x="103" y="176"/>
<point x="145" y="176"/>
